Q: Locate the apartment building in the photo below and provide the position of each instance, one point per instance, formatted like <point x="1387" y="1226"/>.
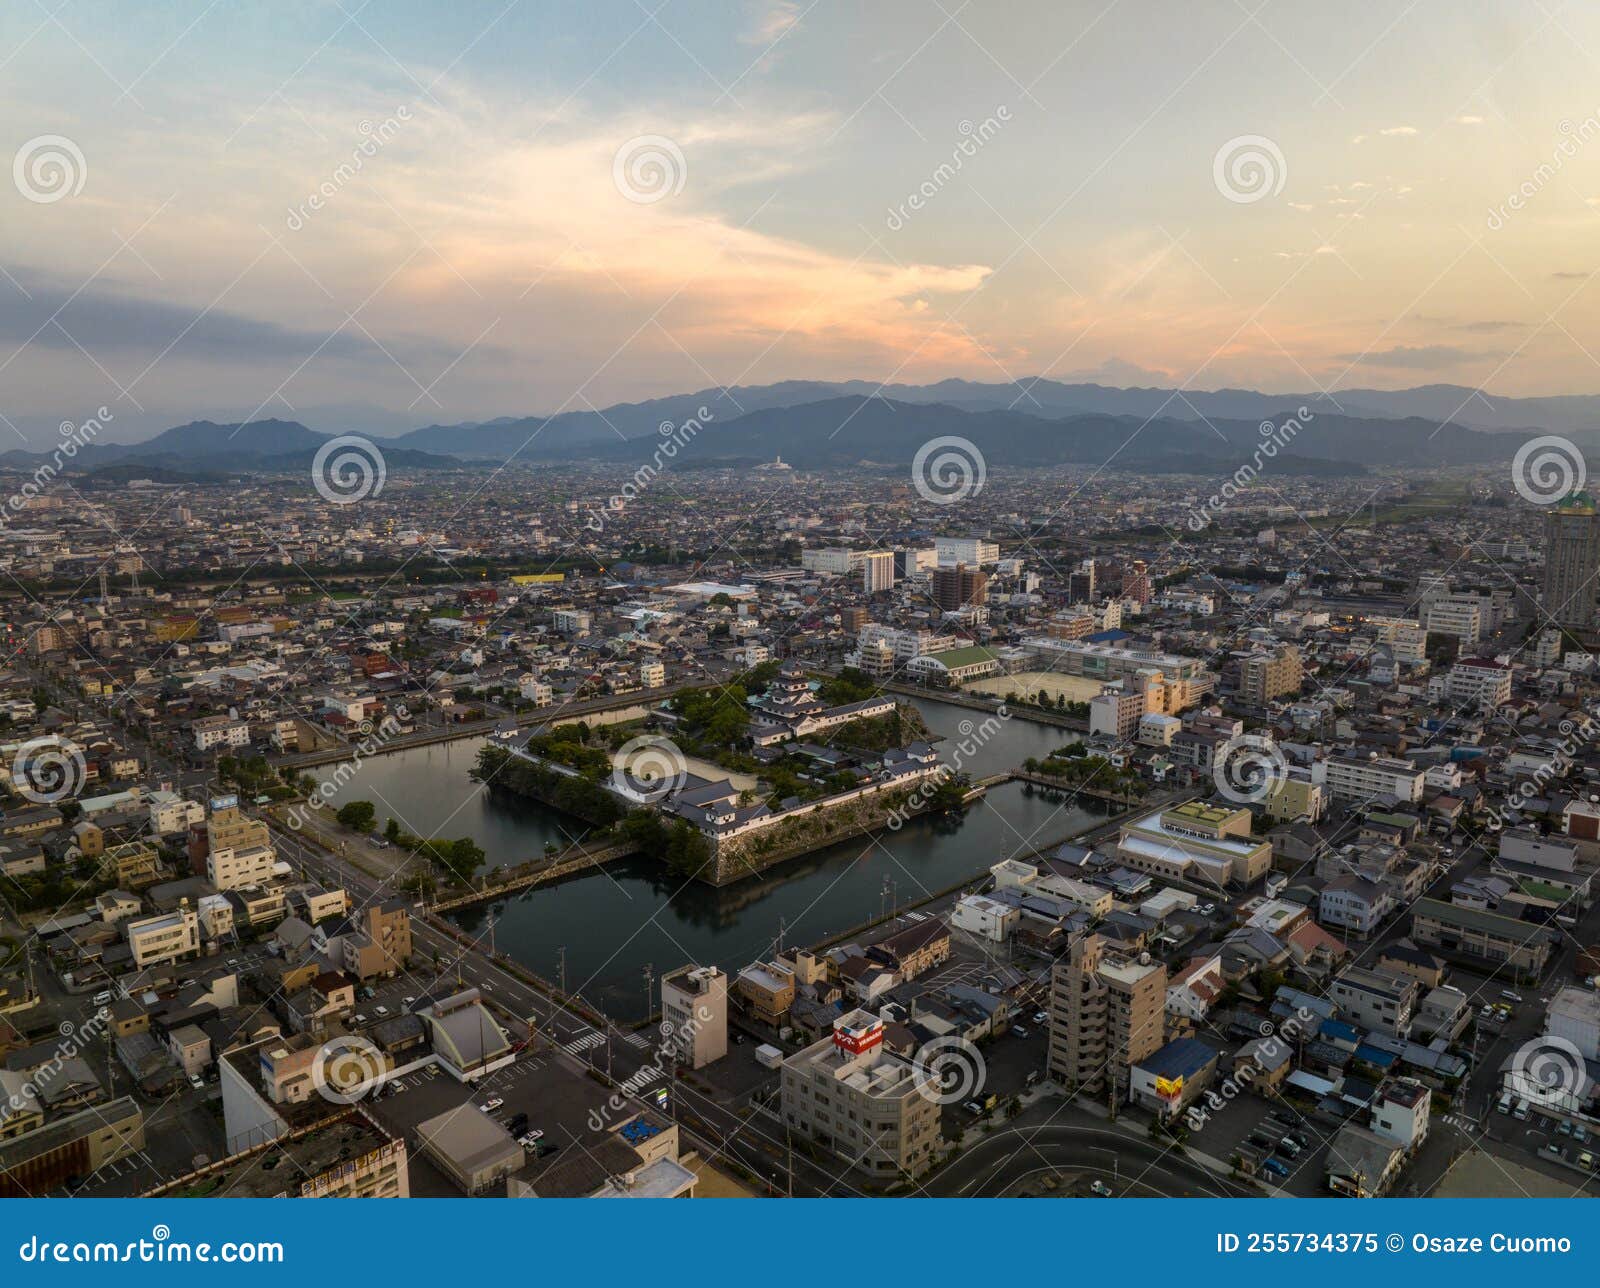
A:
<point x="694" y="1002"/>
<point x="1107" y="1013"/>
<point x="1375" y="1000"/>
<point x="1358" y="778"/>
<point x="165" y="937"/>
<point x="855" y="1098"/>
<point x="1266" y="676"/>
<point x="1572" y="562"/>
<point x="877" y="571"/>
<point x="239" y="850"/>
<point x="966" y="550"/>
<point x="1479" y="682"/>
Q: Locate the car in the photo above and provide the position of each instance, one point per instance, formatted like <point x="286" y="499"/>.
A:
<point x="1100" y="1189"/>
<point x="1520" y="1113"/>
<point x="1563" y="1128"/>
<point x="381" y="1010"/>
<point x="1289" y="1147"/>
<point x="1585" y="1160"/>
<point x="529" y="1139"/>
<point x="1503" y="1105"/>
<point x="974" y="1108"/>
<point x="1300" y="1138"/>
<point x="490" y="1105"/>
<point x="197" y="1082"/>
<point x="1554" y="1150"/>
<point x="1580" y="1133"/>
<point x="1275" y="1167"/>
<point x="1206" y="909"/>
<point x="102" y="999"/>
<point x="1017" y="1031"/>
<point x="1039" y="1017"/>
<point x="738" y="1039"/>
<point x="407" y="1003"/>
<point x="1510" y="996"/>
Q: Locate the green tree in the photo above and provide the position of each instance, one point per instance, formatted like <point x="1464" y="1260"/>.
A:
<point x="358" y="816"/>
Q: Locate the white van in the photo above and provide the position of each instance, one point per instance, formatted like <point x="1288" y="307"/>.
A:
<point x="1520" y="1113"/>
<point x="1503" y="1105"/>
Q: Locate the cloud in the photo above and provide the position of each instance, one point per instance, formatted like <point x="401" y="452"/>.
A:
<point x="1467" y="120"/>
<point x="1398" y="131"/>
<point x="770" y="22"/>
<point x="1417" y="357"/>
<point x="1571" y="275"/>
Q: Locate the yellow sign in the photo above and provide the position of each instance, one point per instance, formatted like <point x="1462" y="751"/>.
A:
<point x="538" y="578"/>
<point x="1169" y="1088"/>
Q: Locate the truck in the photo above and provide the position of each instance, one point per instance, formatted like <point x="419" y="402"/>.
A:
<point x="768" y="1056"/>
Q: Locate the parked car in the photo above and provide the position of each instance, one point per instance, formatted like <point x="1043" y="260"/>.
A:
<point x="1275" y="1167"/>
<point x="489" y="1106"/>
<point x="1520" y="1113"/>
<point x="1580" y="1133"/>
<point x="1503" y="1105"/>
<point x="1288" y="1147"/>
<point x="101" y="999"/>
<point x="1585" y="1160"/>
<point x="1039" y="1017"/>
<point x="974" y="1108"/>
<point x="1017" y="1031"/>
<point x="1100" y="1189"/>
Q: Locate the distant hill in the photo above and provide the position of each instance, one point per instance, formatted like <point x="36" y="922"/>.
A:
<point x="1046" y="399"/>
<point x="204" y="449"/>
<point x="840" y="431"/>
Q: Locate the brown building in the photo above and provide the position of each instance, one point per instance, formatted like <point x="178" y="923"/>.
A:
<point x="1107" y="1012"/>
<point x="959" y="587"/>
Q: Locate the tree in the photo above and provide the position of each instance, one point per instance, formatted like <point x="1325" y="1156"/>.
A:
<point x="391" y="831"/>
<point x="358" y="816"/>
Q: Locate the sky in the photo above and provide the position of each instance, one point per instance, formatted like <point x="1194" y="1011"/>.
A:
<point x="379" y="214"/>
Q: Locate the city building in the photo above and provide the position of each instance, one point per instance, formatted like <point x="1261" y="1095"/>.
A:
<point x="1107" y="1013"/>
<point x="694" y="1003"/>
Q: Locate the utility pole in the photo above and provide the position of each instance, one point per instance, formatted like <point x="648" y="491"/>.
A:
<point x="649" y="988"/>
<point x="561" y="968"/>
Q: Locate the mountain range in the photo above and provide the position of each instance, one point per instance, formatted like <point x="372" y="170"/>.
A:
<point x="814" y="424"/>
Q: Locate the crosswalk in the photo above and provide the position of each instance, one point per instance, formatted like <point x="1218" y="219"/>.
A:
<point x="643" y="1078"/>
<point x="637" y="1040"/>
<point x="1461" y="1123"/>
<point x="581" y="1044"/>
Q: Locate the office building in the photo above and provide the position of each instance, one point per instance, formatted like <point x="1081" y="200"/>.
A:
<point x="877" y="571"/>
<point x="958" y="587"/>
<point x="694" y="1003"/>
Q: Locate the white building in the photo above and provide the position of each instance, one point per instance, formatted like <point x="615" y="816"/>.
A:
<point x="877" y="571"/>
<point x="1478" y="681"/>
<point x="975" y="552"/>
<point x="1363" y="779"/>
